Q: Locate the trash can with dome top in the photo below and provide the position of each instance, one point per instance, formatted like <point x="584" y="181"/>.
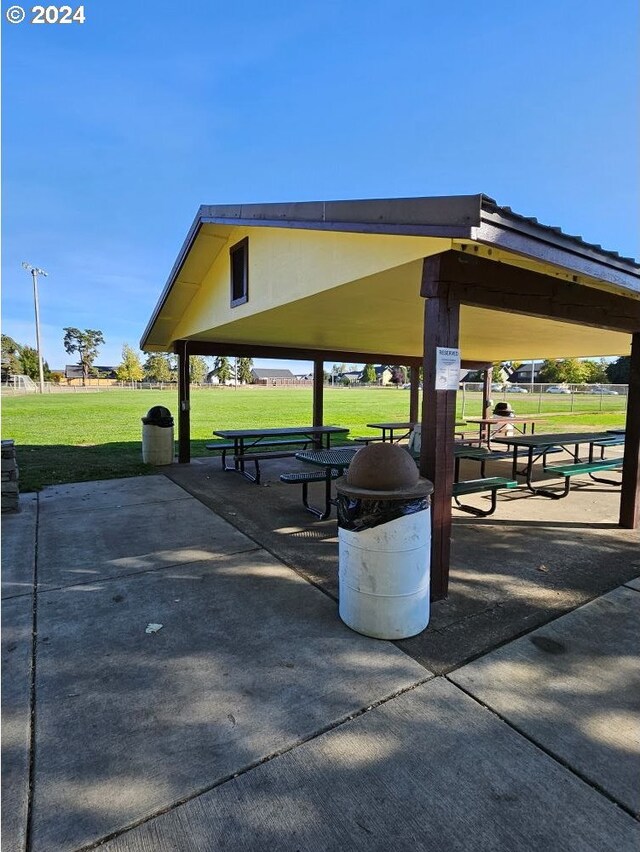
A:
<point x="384" y="533"/>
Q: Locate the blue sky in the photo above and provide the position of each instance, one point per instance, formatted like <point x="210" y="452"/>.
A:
<point x="115" y="131"/>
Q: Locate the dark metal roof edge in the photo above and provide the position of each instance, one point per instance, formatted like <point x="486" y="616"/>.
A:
<point x="454" y="210"/>
<point x="553" y="235"/>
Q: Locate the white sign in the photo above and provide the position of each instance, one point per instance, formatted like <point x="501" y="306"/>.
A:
<point x="447" y="368"/>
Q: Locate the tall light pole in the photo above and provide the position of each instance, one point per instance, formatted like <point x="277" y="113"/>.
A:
<point x="34" y="274"/>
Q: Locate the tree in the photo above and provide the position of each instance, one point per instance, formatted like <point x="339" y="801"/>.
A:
<point x="158" y="367"/>
<point x="369" y="374"/>
<point x="398" y="375"/>
<point x="618" y="371"/>
<point x="29" y="365"/>
<point x="11" y="355"/>
<point x="86" y="344"/>
<point x="245" y="366"/>
<point x="222" y="369"/>
<point x="130" y="370"/>
<point x="567" y="370"/>
<point x="197" y="369"/>
<point x="596" y="372"/>
<point x="550" y="371"/>
<point x="574" y="371"/>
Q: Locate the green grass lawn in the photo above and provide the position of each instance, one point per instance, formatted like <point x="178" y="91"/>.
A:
<point x="77" y="437"/>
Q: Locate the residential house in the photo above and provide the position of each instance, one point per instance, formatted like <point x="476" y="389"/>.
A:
<point x="271" y="377"/>
<point x="101" y="375"/>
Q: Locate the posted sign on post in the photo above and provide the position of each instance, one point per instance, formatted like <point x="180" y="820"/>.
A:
<point x="447" y="368"/>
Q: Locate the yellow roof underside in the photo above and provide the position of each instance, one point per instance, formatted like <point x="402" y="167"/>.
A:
<point x="346" y="292"/>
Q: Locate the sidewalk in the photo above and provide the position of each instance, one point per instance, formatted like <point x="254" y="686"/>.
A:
<point x="254" y="719"/>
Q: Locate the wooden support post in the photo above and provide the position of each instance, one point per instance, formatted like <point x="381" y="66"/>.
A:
<point x="630" y="497"/>
<point x="184" y="405"/>
<point x="487" y="378"/>
<point x="318" y="394"/>
<point x="441" y="329"/>
<point x="414" y="391"/>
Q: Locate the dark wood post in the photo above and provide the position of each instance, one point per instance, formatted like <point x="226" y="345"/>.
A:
<point x="487" y="379"/>
<point x="630" y="497"/>
<point x="441" y="329"/>
<point x="184" y="404"/>
<point x="414" y="391"/>
<point x="318" y="394"/>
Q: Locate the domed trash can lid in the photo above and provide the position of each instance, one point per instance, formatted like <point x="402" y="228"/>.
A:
<point x="383" y="472"/>
<point x="158" y="416"/>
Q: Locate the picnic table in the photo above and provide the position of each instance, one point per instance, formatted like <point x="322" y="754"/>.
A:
<point x="405" y="427"/>
<point x="254" y="445"/>
<point x="335" y="462"/>
<point x="388" y="429"/>
<point x="540" y="444"/>
<point x="498" y="425"/>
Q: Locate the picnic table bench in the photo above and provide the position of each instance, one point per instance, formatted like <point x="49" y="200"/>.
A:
<point x="249" y="445"/>
<point x="577" y="468"/>
<point x="333" y="463"/>
<point x="478" y="486"/>
<point x="540" y="445"/>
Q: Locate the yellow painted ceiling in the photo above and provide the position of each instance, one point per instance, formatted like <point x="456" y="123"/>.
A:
<point x="313" y="289"/>
<point x="384" y="313"/>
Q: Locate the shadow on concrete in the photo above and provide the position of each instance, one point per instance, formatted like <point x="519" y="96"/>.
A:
<point x="531" y="562"/>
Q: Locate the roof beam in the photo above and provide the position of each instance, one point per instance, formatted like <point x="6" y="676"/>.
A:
<point x="251" y="350"/>
<point x="500" y="286"/>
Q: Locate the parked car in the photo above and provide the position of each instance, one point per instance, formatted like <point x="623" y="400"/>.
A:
<point x="496" y="387"/>
<point x="606" y="391"/>
<point x="557" y="389"/>
<point x="515" y="389"/>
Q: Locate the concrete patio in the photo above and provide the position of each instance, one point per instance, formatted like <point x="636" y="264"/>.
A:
<point x="254" y="719"/>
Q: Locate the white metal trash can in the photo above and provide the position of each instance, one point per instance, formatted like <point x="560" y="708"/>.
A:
<point x="384" y="534"/>
<point x="157" y="436"/>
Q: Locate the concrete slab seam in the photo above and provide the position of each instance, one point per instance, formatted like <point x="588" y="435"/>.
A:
<point x="17" y="595"/>
<point x="276" y="556"/>
<point x="547" y="751"/>
<point x="524" y="632"/>
<point x="254" y="765"/>
<point x="626" y="586"/>
<point x="32" y="689"/>
<point x="136" y="573"/>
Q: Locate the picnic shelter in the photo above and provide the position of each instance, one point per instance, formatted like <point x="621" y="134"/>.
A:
<point x="391" y="281"/>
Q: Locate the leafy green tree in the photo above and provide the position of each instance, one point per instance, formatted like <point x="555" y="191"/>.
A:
<point x="618" y="371"/>
<point x="550" y="371"/>
<point x="567" y="370"/>
<point x="596" y="371"/>
<point x="245" y="365"/>
<point x="11" y="355"/>
<point x="158" y="368"/>
<point x="29" y="364"/>
<point x="368" y="374"/>
<point x="574" y="371"/>
<point x="198" y="369"/>
<point x="222" y="369"/>
<point x="130" y="370"/>
<point x="86" y="344"/>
